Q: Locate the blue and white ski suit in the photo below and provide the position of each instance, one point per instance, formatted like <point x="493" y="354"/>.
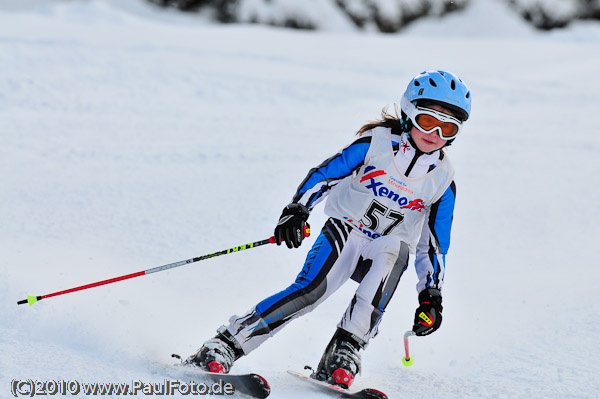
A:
<point x="386" y="199"/>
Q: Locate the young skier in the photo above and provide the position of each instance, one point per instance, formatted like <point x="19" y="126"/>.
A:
<point x="389" y="193"/>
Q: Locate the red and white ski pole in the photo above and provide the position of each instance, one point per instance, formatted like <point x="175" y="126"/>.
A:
<point x="407" y="360"/>
<point x="33" y="299"/>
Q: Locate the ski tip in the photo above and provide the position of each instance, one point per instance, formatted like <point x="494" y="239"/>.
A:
<point x="374" y="393"/>
<point x="176" y="356"/>
<point x="264" y="382"/>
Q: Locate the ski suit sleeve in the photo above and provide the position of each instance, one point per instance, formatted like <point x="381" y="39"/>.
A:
<point x="320" y="180"/>
<point x="430" y="260"/>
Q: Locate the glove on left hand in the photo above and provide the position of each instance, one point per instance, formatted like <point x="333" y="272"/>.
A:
<point x="428" y="316"/>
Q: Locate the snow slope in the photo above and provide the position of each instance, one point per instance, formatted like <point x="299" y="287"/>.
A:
<point x="132" y="140"/>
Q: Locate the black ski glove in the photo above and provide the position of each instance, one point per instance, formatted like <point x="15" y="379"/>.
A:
<point x="428" y="316"/>
<point x="291" y="225"/>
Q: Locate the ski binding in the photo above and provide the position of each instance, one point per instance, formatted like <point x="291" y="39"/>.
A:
<point x="249" y="384"/>
<point x="367" y="393"/>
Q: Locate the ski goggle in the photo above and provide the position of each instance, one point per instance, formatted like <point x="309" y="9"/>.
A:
<point x="429" y="120"/>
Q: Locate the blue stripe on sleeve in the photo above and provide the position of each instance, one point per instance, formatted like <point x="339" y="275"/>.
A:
<point x="335" y="168"/>
<point x="443" y="218"/>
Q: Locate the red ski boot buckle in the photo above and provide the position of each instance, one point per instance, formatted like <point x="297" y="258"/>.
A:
<point x="343" y="377"/>
<point x="216" y="367"/>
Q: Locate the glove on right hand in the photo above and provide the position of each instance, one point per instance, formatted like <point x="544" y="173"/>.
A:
<point x="428" y="316"/>
<point x="290" y="227"/>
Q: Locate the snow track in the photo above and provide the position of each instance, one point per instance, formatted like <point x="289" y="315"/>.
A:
<point x="131" y="139"/>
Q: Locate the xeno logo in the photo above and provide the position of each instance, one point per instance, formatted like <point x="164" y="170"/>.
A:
<point x="415" y="205"/>
<point x="379" y="190"/>
<point x="372" y="175"/>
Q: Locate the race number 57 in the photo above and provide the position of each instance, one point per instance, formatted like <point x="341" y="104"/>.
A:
<point x="377" y="210"/>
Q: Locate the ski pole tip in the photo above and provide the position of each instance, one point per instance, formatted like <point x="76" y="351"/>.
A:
<point x="30" y="300"/>
<point x="408" y="362"/>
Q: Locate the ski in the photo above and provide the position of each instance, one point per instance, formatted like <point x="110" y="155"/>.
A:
<point x="367" y="393"/>
<point x="249" y="384"/>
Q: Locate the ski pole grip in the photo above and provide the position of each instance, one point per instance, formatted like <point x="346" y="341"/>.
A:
<point x="272" y="239"/>
<point x="307" y="230"/>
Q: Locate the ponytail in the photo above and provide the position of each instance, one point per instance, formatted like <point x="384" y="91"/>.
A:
<point x="389" y="120"/>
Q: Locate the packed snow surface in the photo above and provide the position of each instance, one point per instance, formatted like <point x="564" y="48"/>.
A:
<point x="133" y="138"/>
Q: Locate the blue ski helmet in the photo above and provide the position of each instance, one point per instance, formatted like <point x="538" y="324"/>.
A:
<point x="443" y="87"/>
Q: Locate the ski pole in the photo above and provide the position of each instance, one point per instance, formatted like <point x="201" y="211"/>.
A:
<point x="33" y="299"/>
<point x="407" y="360"/>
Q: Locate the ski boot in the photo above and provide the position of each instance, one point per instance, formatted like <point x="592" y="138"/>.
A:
<point x="218" y="354"/>
<point x="341" y="361"/>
